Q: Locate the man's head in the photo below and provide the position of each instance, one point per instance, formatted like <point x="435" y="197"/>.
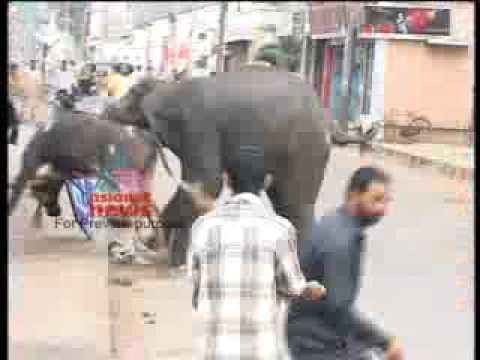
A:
<point x="245" y="172"/>
<point x="125" y="69"/>
<point x="64" y="65"/>
<point x="368" y="194"/>
<point x="116" y="68"/>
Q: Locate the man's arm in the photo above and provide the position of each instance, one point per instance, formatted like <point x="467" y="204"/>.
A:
<point x="289" y="277"/>
<point x="337" y="308"/>
<point x="193" y="262"/>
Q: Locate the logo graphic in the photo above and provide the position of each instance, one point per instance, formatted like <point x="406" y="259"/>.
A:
<point x="118" y="190"/>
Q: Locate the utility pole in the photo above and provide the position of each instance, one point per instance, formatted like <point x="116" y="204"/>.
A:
<point x="348" y="55"/>
<point x="221" y="37"/>
<point x="306" y="18"/>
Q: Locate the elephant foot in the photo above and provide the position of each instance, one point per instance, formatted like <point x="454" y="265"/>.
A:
<point x="178" y="247"/>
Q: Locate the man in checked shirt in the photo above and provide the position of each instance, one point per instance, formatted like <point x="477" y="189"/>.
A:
<point x="242" y="255"/>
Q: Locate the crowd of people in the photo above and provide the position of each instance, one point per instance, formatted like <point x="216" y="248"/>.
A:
<point x="32" y="88"/>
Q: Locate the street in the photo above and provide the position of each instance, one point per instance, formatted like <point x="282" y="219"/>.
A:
<point x="68" y="303"/>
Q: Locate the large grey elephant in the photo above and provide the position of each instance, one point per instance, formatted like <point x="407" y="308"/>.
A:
<point x="204" y="121"/>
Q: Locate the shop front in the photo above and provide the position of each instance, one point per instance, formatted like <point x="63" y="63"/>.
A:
<point x="328" y="36"/>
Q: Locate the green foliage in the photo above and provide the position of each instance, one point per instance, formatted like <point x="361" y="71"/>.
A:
<point x="285" y="56"/>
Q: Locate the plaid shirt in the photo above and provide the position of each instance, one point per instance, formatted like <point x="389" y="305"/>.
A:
<point x="241" y="255"/>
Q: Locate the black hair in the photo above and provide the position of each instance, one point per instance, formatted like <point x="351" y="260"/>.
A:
<point x="246" y="170"/>
<point x="363" y="177"/>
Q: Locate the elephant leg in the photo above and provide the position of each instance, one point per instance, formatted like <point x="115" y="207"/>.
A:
<point x="178" y="217"/>
<point x="52" y="206"/>
<point x="301" y="215"/>
<point x="294" y="191"/>
<point x="178" y="247"/>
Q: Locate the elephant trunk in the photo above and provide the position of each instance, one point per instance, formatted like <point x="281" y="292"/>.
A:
<point x="201" y="200"/>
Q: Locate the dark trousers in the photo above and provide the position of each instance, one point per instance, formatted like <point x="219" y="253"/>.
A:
<point x="309" y="339"/>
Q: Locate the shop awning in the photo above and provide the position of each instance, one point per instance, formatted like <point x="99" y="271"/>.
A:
<point x="446" y="42"/>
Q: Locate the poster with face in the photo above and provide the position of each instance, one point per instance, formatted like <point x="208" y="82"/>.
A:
<point x="414" y="21"/>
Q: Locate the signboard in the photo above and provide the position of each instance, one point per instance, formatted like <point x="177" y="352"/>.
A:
<point x="406" y="21"/>
<point x="327" y="18"/>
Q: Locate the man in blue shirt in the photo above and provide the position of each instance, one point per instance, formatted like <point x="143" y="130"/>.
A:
<point x="332" y="328"/>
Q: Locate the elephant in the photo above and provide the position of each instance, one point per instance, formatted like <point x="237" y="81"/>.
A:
<point x="205" y="120"/>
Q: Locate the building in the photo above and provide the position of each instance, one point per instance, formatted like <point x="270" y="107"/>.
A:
<point x="27" y="19"/>
<point x="16" y="34"/>
<point x="407" y="56"/>
<point x="153" y="34"/>
<point x="68" y="18"/>
<point x="251" y="25"/>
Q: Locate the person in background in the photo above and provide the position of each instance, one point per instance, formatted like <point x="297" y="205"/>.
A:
<point x="65" y="79"/>
<point x="118" y="84"/>
<point x="15" y="81"/>
<point x="138" y="74"/>
<point x="333" y="328"/>
<point x="242" y="255"/>
<point x="32" y="90"/>
<point x="127" y="71"/>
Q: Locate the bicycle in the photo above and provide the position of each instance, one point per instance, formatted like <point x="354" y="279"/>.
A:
<point x="416" y="125"/>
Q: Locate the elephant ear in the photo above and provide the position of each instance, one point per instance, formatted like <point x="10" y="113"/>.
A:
<point x="163" y="114"/>
<point x="201" y="148"/>
<point x="177" y="115"/>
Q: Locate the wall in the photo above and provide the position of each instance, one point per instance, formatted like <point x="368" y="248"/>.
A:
<point x="16" y="34"/>
<point x="204" y="21"/>
<point x="377" y="107"/>
<point x="464" y="27"/>
<point x="430" y="80"/>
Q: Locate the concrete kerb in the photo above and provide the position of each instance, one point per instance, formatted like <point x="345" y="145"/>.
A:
<point x="444" y="167"/>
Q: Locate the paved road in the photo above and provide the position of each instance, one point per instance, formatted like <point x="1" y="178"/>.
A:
<point x="418" y="278"/>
